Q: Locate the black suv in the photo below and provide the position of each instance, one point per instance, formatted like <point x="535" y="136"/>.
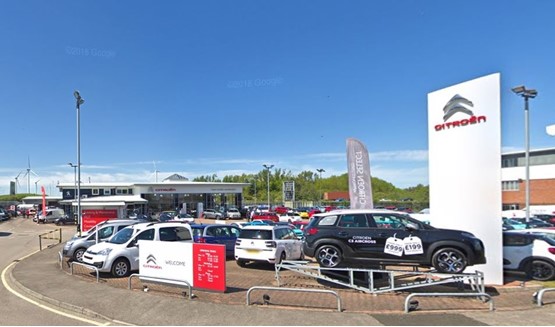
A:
<point x="382" y="237"/>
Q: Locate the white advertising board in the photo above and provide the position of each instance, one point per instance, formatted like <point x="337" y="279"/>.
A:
<point x="464" y="135"/>
<point x="170" y="260"/>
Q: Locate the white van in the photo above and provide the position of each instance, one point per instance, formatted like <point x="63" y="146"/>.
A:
<point x="51" y="215"/>
<point x="120" y="254"/>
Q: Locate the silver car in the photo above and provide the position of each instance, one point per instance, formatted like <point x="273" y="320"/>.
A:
<point x="76" y="246"/>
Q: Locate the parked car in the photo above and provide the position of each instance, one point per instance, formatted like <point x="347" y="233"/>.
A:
<point x="212" y="214"/>
<point x="533" y="222"/>
<point x="281" y="210"/>
<point x="51" y="215"/>
<point x="271" y="244"/>
<point x="549" y="218"/>
<point x="312" y="212"/>
<point x="290" y="217"/>
<point x="233" y="213"/>
<point x="378" y="237"/>
<point x="66" y="220"/>
<point x="77" y="245"/>
<point x="4" y="215"/>
<point x="217" y="234"/>
<point x="184" y="217"/>
<point x="120" y="254"/>
<point x="514" y="223"/>
<point x="266" y="216"/>
<point x="531" y="252"/>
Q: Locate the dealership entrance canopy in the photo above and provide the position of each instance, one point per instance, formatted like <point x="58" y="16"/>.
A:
<point x="150" y="198"/>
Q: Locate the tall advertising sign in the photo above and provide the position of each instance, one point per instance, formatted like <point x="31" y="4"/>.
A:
<point x="289" y="191"/>
<point x="360" y="187"/>
<point x="464" y="135"/>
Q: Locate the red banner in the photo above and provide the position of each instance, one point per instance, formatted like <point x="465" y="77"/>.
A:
<point x="43" y="201"/>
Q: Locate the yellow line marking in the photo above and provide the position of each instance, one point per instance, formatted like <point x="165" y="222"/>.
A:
<point x="41" y="305"/>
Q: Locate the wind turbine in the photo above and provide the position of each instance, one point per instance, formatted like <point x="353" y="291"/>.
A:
<point x="28" y="174"/>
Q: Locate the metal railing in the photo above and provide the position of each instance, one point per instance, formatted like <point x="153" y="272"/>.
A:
<point x="539" y="295"/>
<point x="489" y="299"/>
<point x="50" y="236"/>
<point x="86" y="266"/>
<point x="295" y="290"/>
<point x="159" y="280"/>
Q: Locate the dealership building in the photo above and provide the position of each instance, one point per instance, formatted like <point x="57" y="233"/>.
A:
<point x="542" y="178"/>
<point x="170" y="194"/>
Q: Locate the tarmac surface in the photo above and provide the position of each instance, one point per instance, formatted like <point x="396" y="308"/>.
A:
<point x="41" y="276"/>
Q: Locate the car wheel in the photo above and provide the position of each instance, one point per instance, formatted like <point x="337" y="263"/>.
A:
<point x="540" y="270"/>
<point x="329" y="256"/>
<point x="449" y="260"/>
<point x="78" y="254"/>
<point x="241" y="263"/>
<point x="282" y="256"/>
<point x="120" y="268"/>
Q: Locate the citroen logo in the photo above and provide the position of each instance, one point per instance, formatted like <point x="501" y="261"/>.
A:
<point x="457" y="104"/>
<point x="151" y="259"/>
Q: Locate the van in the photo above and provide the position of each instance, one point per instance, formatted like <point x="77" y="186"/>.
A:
<point x="51" y="215"/>
<point x="77" y="245"/>
<point x="120" y="254"/>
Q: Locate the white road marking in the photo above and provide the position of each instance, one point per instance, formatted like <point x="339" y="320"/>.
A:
<point x="41" y="305"/>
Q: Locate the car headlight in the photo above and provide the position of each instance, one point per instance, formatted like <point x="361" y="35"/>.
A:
<point x="105" y="251"/>
<point x="68" y="244"/>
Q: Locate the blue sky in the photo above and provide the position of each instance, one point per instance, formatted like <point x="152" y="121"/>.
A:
<point x="223" y="87"/>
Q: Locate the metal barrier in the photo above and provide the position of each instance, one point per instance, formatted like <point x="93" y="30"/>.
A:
<point x="42" y="236"/>
<point x="86" y="266"/>
<point x="295" y="290"/>
<point x="490" y="300"/>
<point x="159" y="280"/>
<point x="61" y="259"/>
<point x="539" y="295"/>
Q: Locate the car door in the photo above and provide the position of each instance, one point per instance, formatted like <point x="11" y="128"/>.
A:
<point x="296" y="245"/>
<point x="230" y="237"/>
<point x="516" y="247"/>
<point x="390" y="225"/>
<point x="354" y="231"/>
<point x="132" y="250"/>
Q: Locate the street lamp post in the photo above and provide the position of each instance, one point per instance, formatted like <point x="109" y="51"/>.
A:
<point x="79" y="102"/>
<point x="268" y="167"/>
<point x="321" y="170"/>
<point x="526" y="94"/>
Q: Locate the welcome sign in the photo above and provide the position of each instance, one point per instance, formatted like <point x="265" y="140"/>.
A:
<point x="464" y="135"/>
<point x="200" y="265"/>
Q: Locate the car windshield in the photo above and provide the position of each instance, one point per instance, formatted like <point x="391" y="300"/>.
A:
<point x="122" y="236"/>
<point x="256" y="234"/>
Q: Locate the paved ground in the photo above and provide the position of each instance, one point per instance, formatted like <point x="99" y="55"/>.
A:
<point x="42" y="277"/>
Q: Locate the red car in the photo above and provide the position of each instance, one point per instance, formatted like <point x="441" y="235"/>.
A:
<point x="281" y="210"/>
<point x="266" y="216"/>
<point x="312" y="212"/>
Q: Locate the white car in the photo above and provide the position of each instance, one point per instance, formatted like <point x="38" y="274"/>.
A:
<point x="233" y="213"/>
<point x="120" y="254"/>
<point x="271" y="244"/>
<point x="290" y="217"/>
<point x="530" y="251"/>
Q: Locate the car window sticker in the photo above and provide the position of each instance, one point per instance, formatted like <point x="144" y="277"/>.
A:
<point x="413" y="245"/>
<point x="394" y="246"/>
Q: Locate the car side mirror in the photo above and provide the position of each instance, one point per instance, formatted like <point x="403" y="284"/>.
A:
<point x="412" y="226"/>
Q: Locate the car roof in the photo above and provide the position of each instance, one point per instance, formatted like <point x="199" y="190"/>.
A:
<point x="262" y="227"/>
<point x="355" y="211"/>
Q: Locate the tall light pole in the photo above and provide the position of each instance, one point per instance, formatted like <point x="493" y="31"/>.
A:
<point x="74" y="179"/>
<point x="321" y="170"/>
<point x="526" y="94"/>
<point x="268" y="167"/>
<point x="79" y="102"/>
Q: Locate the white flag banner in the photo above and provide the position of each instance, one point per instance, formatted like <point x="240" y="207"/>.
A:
<point x="360" y="187"/>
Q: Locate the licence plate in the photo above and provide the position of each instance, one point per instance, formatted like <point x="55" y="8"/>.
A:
<point x="252" y="251"/>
